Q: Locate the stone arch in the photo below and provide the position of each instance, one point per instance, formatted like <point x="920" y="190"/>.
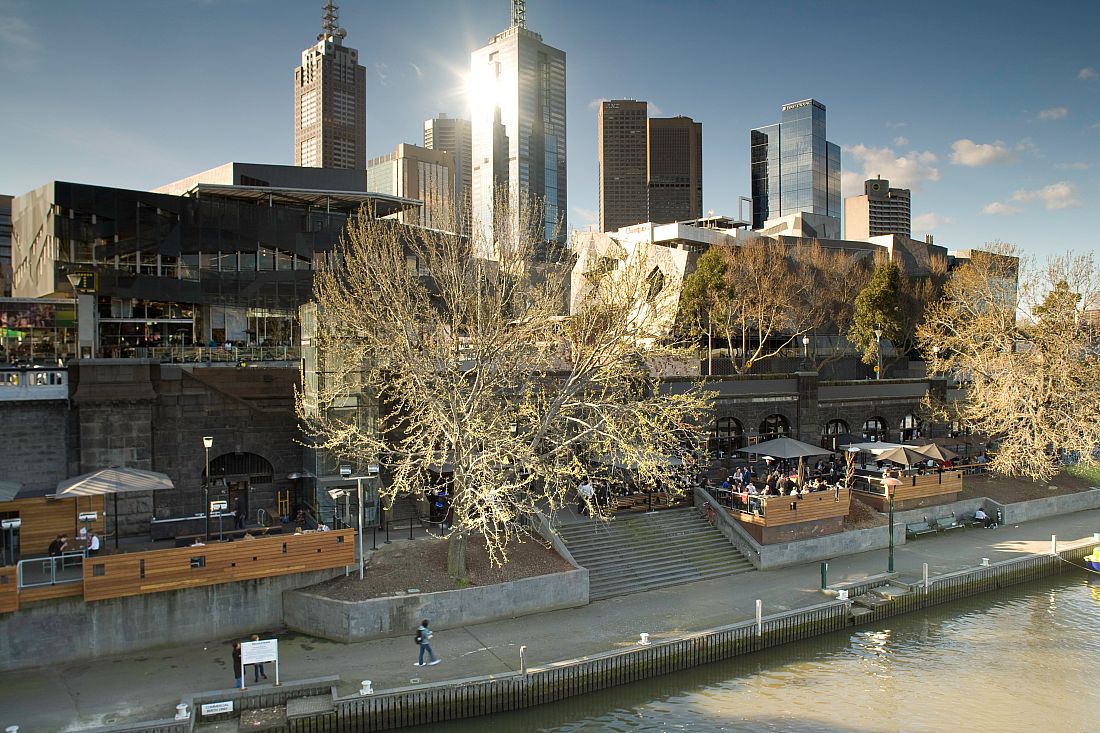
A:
<point x="831" y="431"/>
<point x="727" y="435"/>
<point x="910" y="427"/>
<point x="876" y="429"/>
<point x="774" y="426"/>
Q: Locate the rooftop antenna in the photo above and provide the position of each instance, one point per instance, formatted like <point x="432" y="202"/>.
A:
<point x="519" y="13"/>
<point x="330" y="22"/>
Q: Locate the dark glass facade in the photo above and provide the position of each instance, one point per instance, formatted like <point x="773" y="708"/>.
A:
<point x="793" y="167"/>
<point x="5" y="245"/>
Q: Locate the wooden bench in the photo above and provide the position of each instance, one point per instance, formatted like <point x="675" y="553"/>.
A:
<point x="916" y="529"/>
<point x="187" y="540"/>
<point x="942" y="524"/>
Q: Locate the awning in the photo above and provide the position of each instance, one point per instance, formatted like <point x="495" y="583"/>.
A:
<point x="114" y="480"/>
<point x="8" y="490"/>
<point x="786" y="448"/>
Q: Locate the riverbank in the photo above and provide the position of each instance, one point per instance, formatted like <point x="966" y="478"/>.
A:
<point x="147" y="686"/>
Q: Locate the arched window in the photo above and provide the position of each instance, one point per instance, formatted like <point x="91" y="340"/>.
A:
<point x="728" y="435"/>
<point x="656" y="283"/>
<point x="875" y="430"/>
<point x="774" y="426"/>
<point x="910" y="428"/>
<point x="239" y="466"/>
<point x="831" y="432"/>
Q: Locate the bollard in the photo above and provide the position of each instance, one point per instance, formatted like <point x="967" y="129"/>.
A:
<point x="759" y="617"/>
<point x="12" y="729"/>
<point x="824" y="575"/>
<point x="181" y="712"/>
<point x="1096" y="536"/>
<point x="523" y="660"/>
<point x="644" y="641"/>
<point x="1054" y="544"/>
<point x="366" y="688"/>
<point x="985" y="562"/>
<point x="842" y="595"/>
<point x="926" y="577"/>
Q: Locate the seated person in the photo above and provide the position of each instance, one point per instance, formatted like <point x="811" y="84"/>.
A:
<point x="57" y="546"/>
<point x="985" y="519"/>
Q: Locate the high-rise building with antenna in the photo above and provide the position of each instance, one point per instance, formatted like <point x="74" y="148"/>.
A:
<point x="517" y="107"/>
<point x="330" y="101"/>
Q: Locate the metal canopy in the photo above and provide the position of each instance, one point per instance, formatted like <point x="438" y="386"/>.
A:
<point x="786" y="448"/>
<point x="379" y="204"/>
<point x="8" y="490"/>
<point x="114" y="480"/>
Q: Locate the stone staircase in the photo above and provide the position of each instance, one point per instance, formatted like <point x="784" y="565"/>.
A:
<point x="642" y="552"/>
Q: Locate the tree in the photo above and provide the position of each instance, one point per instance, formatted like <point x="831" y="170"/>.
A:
<point x="1020" y="351"/>
<point x="877" y="308"/>
<point x="838" y="276"/>
<point x="470" y="366"/>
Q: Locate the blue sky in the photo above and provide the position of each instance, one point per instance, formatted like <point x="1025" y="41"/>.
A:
<point x="989" y="111"/>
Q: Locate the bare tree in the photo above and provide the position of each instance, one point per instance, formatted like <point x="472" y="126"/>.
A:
<point x="460" y="344"/>
<point x="1020" y="351"/>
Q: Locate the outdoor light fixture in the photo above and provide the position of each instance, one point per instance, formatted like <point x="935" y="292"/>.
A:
<point x="207" y="444"/>
<point x="878" y="350"/>
<point x="345" y="471"/>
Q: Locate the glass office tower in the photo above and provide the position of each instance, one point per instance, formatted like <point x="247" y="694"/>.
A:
<point x="794" y="168"/>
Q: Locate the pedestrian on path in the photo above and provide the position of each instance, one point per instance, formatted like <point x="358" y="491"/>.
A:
<point x="257" y="667"/>
<point x="424" y="639"/>
<point x="238" y="674"/>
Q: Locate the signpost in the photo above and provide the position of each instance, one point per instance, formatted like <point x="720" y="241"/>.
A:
<point x="219" y="506"/>
<point x="258" y="652"/>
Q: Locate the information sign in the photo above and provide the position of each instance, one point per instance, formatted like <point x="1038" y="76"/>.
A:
<point x="217" y="708"/>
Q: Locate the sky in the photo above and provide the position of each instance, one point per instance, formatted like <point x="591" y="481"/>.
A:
<point x="988" y="111"/>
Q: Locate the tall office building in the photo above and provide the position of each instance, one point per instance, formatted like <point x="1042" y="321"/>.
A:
<point x="622" y="147"/>
<point x="517" y="103"/>
<point x="675" y="169"/>
<point x="5" y="245"/>
<point x="796" y="173"/>
<point x="453" y="136"/>
<point x="413" y="172"/>
<point x="880" y="210"/>
<point x="330" y="101"/>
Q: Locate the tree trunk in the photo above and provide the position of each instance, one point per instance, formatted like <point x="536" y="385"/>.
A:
<point x="456" y="555"/>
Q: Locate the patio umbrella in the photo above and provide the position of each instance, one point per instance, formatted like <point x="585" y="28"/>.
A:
<point x="934" y="451"/>
<point x="901" y="455"/>
<point x="114" y="480"/>
<point x="786" y="448"/>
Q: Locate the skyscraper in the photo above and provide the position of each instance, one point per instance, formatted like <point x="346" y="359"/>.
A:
<point x="417" y="173"/>
<point x="675" y="169"/>
<point x="880" y="210"/>
<point x="622" y="147"/>
<point x="330" y="101"/>
<point x="453" y="135"/>
<point x="517" y="103"/>
<point x="795" y="170"/>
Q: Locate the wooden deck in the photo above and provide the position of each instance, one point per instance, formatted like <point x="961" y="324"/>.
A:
<point x="788" y="518"/>
<point x="914" y="491"/>
<point x="44" y="518"/>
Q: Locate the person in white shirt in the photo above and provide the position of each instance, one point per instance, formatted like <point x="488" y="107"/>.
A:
<point x="93" y="544"/>
<point x="585" y="492"/>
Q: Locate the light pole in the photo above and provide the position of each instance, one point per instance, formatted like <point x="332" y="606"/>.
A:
<point x="878" y="351"/>
<point x="372" y="472"/>
<point x="207" y="443"/>
<point x="74" y="280"/>
<point x="890" y="496"/>
<point x="805" y="351"/>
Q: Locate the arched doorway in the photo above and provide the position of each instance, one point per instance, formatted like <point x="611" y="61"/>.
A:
<point x="774" y="426"/>
<point x="831" y="432"/>
<point x="875" y="430"/>
<point x="910" y="427"/>
<point x="233" y="475"/>
<point x="728" y="435"/>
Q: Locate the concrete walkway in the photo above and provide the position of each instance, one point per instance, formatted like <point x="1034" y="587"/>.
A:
<point x="148" y="685"/>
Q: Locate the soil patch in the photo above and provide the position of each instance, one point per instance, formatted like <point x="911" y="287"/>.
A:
<point x="1009" y="489"/>
<point x="862" y="516"/>
<point x="421" y="564"/>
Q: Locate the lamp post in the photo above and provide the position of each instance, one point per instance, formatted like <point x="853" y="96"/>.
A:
<point x="74" y="280"/>
<point x="207" y="443"/>
<point x="890" y="496"/>
<point x="372" y="472"/>
<point x="878" y="352"/>
<point x="805" y="351"/>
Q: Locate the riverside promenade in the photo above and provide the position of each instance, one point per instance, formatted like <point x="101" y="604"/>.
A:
<point x="148" y="685"/>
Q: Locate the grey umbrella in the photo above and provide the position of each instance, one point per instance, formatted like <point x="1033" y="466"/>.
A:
<point x="901" y="455"/>
<point x="934" y="451"/>
<point x="786" y="448"/>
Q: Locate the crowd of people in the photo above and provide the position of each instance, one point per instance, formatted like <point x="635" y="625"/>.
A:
<point x="744" y="489"/>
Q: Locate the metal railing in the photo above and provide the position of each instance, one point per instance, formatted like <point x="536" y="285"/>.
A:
<point x="218" y="354"/>
<point x="35" y="572"/>
<point x="34" y="383"/>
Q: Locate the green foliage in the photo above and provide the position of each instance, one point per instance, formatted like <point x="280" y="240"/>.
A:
<point x="704" y="290"/>
<point x="878" y="307"/>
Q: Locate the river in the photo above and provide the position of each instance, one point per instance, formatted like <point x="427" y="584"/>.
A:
<point x="1023" y="659"/>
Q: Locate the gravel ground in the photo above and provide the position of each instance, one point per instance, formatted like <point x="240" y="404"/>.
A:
<point x="422" y="565"/>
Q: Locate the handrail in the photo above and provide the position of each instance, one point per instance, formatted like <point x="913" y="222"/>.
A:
<point x="53" y="562"/>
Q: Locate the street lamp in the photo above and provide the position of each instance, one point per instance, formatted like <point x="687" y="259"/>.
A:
<point x="207" y="444"/>
<point x="372" y="472"/>
<point x="74" y="280"/>
<point x="878" y="351"/>
<point x="889" y="484"/>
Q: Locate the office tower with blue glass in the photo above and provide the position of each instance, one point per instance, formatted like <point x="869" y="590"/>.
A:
<point x="517" y="107"/>
<point x="796" y="175"/>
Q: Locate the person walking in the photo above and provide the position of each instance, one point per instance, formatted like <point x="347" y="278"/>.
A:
<point x="238" y="673"/>
<point x="238" y="514"/>
<point x="424" y="639"/>
<point x="257" y="667"/>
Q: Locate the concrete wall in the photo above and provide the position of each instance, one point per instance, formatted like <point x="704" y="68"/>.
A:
<point x="1025" y="511"/>
<point x="349" y="621"/>
<point x="37" y="439"/>
<point x="70" y="629"/>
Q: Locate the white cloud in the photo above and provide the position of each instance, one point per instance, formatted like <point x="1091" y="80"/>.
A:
<point x="584" y="218"/>
<point x="417" y="70"/>
<point x="897" y="125"/>
<point x="1078" y="166"/>
<point x="19" y="46"/>
<point x="974" y="155"/>
<point x="930" y="222"/>
<point x="998" y="207"/>
<point x="904" y="171"/>
<point x="653" y="110"/>
<point x="901" y="141"/>
<point x="595" y="103"/>
<point x="1054" y="113"/>
<point x="1060" y="195"/>
<point x="383" y="71"/>
<point x="1086" y="74"/>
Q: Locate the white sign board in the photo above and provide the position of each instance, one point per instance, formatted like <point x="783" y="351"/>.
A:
<point x="217" y="708"/>
<point x="264" y="650"/>
<point x="219" y="506"/>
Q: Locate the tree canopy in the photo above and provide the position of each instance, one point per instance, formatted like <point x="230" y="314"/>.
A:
<point x="877" y="308"/>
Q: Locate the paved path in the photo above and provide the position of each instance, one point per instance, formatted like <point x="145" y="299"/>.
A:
<point x="148" y="685"/>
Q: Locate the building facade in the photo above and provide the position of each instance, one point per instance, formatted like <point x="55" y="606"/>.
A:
<point x="411" y="171"/>
<point x="452" y="135"/>
<point x="675" y="169"/>
<point x="518" y="125"/>
<point x="330" y="101"/>
<point x="794" y="169"/>
<point x="623" y="149"/>
<point x="879" y="211"/>
<point x="5" y="245"/>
